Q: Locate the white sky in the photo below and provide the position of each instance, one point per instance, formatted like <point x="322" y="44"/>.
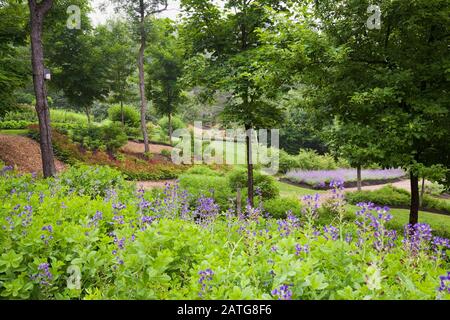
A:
<point x="98" y="16"/>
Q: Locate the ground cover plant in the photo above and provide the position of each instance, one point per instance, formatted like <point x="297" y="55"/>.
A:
<point x="125" y="244"/>
<point x="321" y="178"/>
<point x="134" y="167"/>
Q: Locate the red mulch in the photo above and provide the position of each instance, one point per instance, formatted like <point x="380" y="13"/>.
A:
<point x="23" y="153"/>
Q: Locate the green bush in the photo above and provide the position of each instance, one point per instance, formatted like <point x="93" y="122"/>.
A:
<point x="391" y="196"/>
<point x="14" y="124"/>
<point x="64" y="116"/>
<point x="203" y="170"/>
<point x="133" y="133"/>
<point x="309" y="160"/>
<point x="166" y="153"/>
<point x="278" y="207"/>
<point x="212" y="186"/>
<point x="108" y="137"/>
<point x="177" y="123"/>
<point x="92" y="181"/>
<point x="131" y="115"/>
<point x="113" y="137"/>
<point x="237" y="178"/>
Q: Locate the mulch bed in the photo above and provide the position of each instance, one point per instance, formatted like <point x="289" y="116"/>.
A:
<point x="23" y="153"/>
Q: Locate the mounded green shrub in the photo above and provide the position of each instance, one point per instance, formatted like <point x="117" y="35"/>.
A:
<point x="237" y="178"/>
<point x="279" y="207"/>
<point x="130" y="114"/>
<point x="211" y="186"/>
<point x="92" y="181"/>
<point x="108" y="137"/>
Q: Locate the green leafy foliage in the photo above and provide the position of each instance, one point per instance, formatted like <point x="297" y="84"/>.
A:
<point x="108" y="137"/>
<point x="131" y="116"/>
<point x="278" y="208"/>
<point x="237" y="178"/>
<point x="91" y="181"/>
<point x="309" y="160"/>
<point x="52" y="236"/>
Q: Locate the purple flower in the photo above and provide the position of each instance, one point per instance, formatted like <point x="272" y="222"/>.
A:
<point x="299" y="249"/>
<point x="96" y="218"/>
<point x="371" y="222"/>
<point x="48" y="228"/>
<point x="417" y="237"/>
<point x="206" y="211"/>
<point x="444" y="285"/>
<point x="330" y="232"/>
<point x="44" y="276"/>
<point x="205" y="277"/>
<point x="288" y="225"/>
<point x="282" y="293"/>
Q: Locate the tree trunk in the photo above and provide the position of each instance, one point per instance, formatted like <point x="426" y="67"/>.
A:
<point x="414" y="211"/>
<point x="141" y="77"/>
<point x="238" y="201"/>
<point x="122" y="116"/>
<point x="422" y="192"/>
<point x="170" y="127"/>
<point x="248" y="142"/>
<point x="37" y="14"/>
<point x="88" y="115"/>
<point x="358" y="179"/>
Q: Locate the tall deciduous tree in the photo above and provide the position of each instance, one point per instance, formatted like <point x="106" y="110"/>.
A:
<point x="81" y="67"/>
<point x="165" y="71"/>
<point x="14" y="69"/>
<point x="139" y="11"/>
<point x="117" y="45"/>
<point x="229" y="40"/>
<point x="393" y="79"/>
<point x="38" y="11"/>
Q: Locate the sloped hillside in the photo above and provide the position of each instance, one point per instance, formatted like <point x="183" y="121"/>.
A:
<point x="23" y="153"/>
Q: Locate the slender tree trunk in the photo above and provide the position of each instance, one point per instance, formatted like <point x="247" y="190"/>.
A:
<point x="88" y="115"/>
<point x="170" y="127"/>
<point x="358" y="179"/>
<point x="141" y="77"/>
<point x="238" y="201"/>
<point x="422" y="192"/>
<point x="248" y="142"/>
<point x="414" y="211"/>
<point x="121" y="113"/>
<point x="37" y="14"/>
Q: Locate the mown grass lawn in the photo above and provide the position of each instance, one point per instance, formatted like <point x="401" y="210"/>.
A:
<point x="289" y="190"/>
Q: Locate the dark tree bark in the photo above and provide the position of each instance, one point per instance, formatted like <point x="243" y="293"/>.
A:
<point x="358" y="179"/>
<point x="414" y="211"/>
<point x="248" y="142"/>
<point x="141" y="76"/>
<point x="37" y="14"/>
